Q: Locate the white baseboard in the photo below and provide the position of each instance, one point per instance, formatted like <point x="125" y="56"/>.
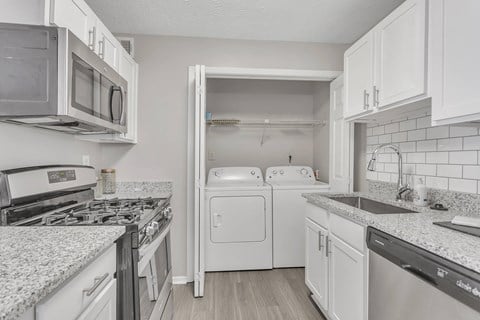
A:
<point x="180" y="280"/>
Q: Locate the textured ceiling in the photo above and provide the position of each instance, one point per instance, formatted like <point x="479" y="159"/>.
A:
<point x="335" y="21"/>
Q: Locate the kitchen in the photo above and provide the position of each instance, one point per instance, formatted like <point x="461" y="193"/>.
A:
<point x="245" y="46"/>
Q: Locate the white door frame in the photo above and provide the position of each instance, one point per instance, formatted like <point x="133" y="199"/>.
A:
<point x="229" y="73"/>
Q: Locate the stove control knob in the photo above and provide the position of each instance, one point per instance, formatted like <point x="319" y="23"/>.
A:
<point x="150" y="231"/>
<point x="155" y="225"/>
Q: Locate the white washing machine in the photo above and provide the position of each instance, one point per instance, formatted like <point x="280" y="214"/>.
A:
<point x="238" y="220"/>
<point x="288" y="183"/>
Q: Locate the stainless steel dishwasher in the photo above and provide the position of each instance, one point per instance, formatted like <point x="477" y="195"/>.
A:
<point x="407" y="282"/>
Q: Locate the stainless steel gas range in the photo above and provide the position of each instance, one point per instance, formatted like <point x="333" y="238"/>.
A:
<point x="63" y="195"/>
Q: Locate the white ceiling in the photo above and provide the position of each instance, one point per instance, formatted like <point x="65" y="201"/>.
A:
<point x="334" y="21"/>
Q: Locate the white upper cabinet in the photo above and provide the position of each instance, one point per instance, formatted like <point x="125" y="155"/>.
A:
<point x="400" y="45"/>
<point x="387" y="66"/>
<point x="358" y="60"/>
<point x="77" y="16"/>
<point x="108" y="45"/>
<point x="453" y="55"/>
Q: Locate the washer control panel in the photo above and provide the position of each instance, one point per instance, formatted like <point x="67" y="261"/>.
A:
<point x="290" y="173"/>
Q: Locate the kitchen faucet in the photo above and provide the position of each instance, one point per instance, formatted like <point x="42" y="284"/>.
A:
<point x="401" y="187"/>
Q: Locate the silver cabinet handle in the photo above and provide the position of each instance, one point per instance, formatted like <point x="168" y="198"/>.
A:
<point x="320" y="244"/>
<point x="366" y="97"/>
<point x="92" y="35"/>
<point x="376" y="99"/>
<point x="96" y="283"/>
<point x="326" y="248"/>
<point x="101" y="49"/>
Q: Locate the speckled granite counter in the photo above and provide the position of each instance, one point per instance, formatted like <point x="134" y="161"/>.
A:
<point x="416" y="228"/>
<point x="132" y="190"/>
<point x="36" y="260"/>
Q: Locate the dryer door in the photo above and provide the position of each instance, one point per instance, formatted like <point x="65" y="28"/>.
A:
<point x="237" y="219"/>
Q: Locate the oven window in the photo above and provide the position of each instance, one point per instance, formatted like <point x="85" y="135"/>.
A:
<point x="85" y="80"/>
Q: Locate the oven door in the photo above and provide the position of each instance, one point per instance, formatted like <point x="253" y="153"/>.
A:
<point x="155" y="279"/>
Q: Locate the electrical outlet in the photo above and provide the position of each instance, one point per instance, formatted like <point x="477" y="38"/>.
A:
<point x="86" y="160"/>
<point x="211" y="156"/>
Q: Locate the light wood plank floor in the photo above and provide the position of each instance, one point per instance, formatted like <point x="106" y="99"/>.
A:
<point x="248" y="295"/>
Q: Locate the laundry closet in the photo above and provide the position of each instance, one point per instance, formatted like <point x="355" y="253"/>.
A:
<point x="255" y="136"/>
<point x="266" y="123"/>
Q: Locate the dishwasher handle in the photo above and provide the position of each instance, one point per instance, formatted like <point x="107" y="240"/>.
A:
<point x="419" y="273"/>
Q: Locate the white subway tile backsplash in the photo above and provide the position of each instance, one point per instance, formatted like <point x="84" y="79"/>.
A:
<point x="471" y="172"/>
<point x="445" y="157"/>
<point x="385" y="138"/>
<point x="385" y="177"/>
<point x="427" y="145"/>
<point x="449" y="144"/>
<point x="463" y="131"/>
<point x="462" y="185"/>
<point x="472" y="143"/>
<point x="463" y="157"/>
<point x="399" y="137"/>
<point x="437" y="132"/>
<point x="416" y="135"/>
<point x="437" y="183"/>
<point x="378" y="130"/>
<point x="437" y="157"/>
<point x="392" y="127"/>
<point x="449" y="170"/>
<point x="408" y="125"/>
<point x="426" y="169"/>
<point x="372" y="140"/>
<point x="416" y="157"/>
<point x="408" y="147"/>
<point x="424" y="122"/>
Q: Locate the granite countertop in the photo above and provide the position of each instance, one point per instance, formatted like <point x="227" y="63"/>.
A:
<point x="34" y="261"/>
<point x="133" y="190"/>
<point x="416" y="228"/>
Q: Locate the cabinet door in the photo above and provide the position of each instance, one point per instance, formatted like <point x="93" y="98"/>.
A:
<point x="316" y="262"/>
<point x="358" y="62"/>
<point x="128" y="69"/>
<point x="454" y="67"/>
<point x="347" y="281"/>
<point x="77" y="16"/>
<point x="108" y="46"/>
<point x="400" y="44"/>
<point x="104" y="307"/>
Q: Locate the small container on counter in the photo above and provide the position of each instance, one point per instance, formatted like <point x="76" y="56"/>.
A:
<point x="421" y="194"/>
<point x="109" y="181"/>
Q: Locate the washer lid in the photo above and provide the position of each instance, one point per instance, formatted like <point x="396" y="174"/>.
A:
<point x="300" y="185"/>
<point x="232" y="175"/>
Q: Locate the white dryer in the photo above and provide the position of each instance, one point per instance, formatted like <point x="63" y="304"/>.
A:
<point x="288" y="183"/>
<point x="238" y="220"/>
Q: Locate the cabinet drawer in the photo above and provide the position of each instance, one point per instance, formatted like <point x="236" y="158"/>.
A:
<point x="317" y="215"/>
<point x="350" y="232"/>
<point x="76" y="294"/>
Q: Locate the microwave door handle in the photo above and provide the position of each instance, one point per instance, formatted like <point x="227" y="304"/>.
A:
<point x="112" y="90"/>
<point x="122" y="103"/>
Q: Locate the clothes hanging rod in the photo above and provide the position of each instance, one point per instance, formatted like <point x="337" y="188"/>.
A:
<point x="266" y="123"/>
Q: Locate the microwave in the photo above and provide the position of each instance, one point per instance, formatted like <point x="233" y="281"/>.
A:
<point x="50" y="79"/>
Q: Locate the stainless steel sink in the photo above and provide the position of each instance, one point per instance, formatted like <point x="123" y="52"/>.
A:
<point x="371" y="206"/>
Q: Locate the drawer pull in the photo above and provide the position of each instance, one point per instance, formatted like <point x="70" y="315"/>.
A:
<point x="97" y="282"/>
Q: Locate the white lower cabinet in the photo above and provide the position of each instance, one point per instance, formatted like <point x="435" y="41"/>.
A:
<point x="316" y="262"/>
<point x="91" y="294"/>
<point x="336" y="265"/>
<point x="346" y="285"/>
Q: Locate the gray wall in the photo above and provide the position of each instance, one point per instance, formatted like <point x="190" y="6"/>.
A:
<point x="258" y="100"/>
<point x="161" y="153"/>
<point x="321" y="134"/>
<point x="23" y="146"/>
